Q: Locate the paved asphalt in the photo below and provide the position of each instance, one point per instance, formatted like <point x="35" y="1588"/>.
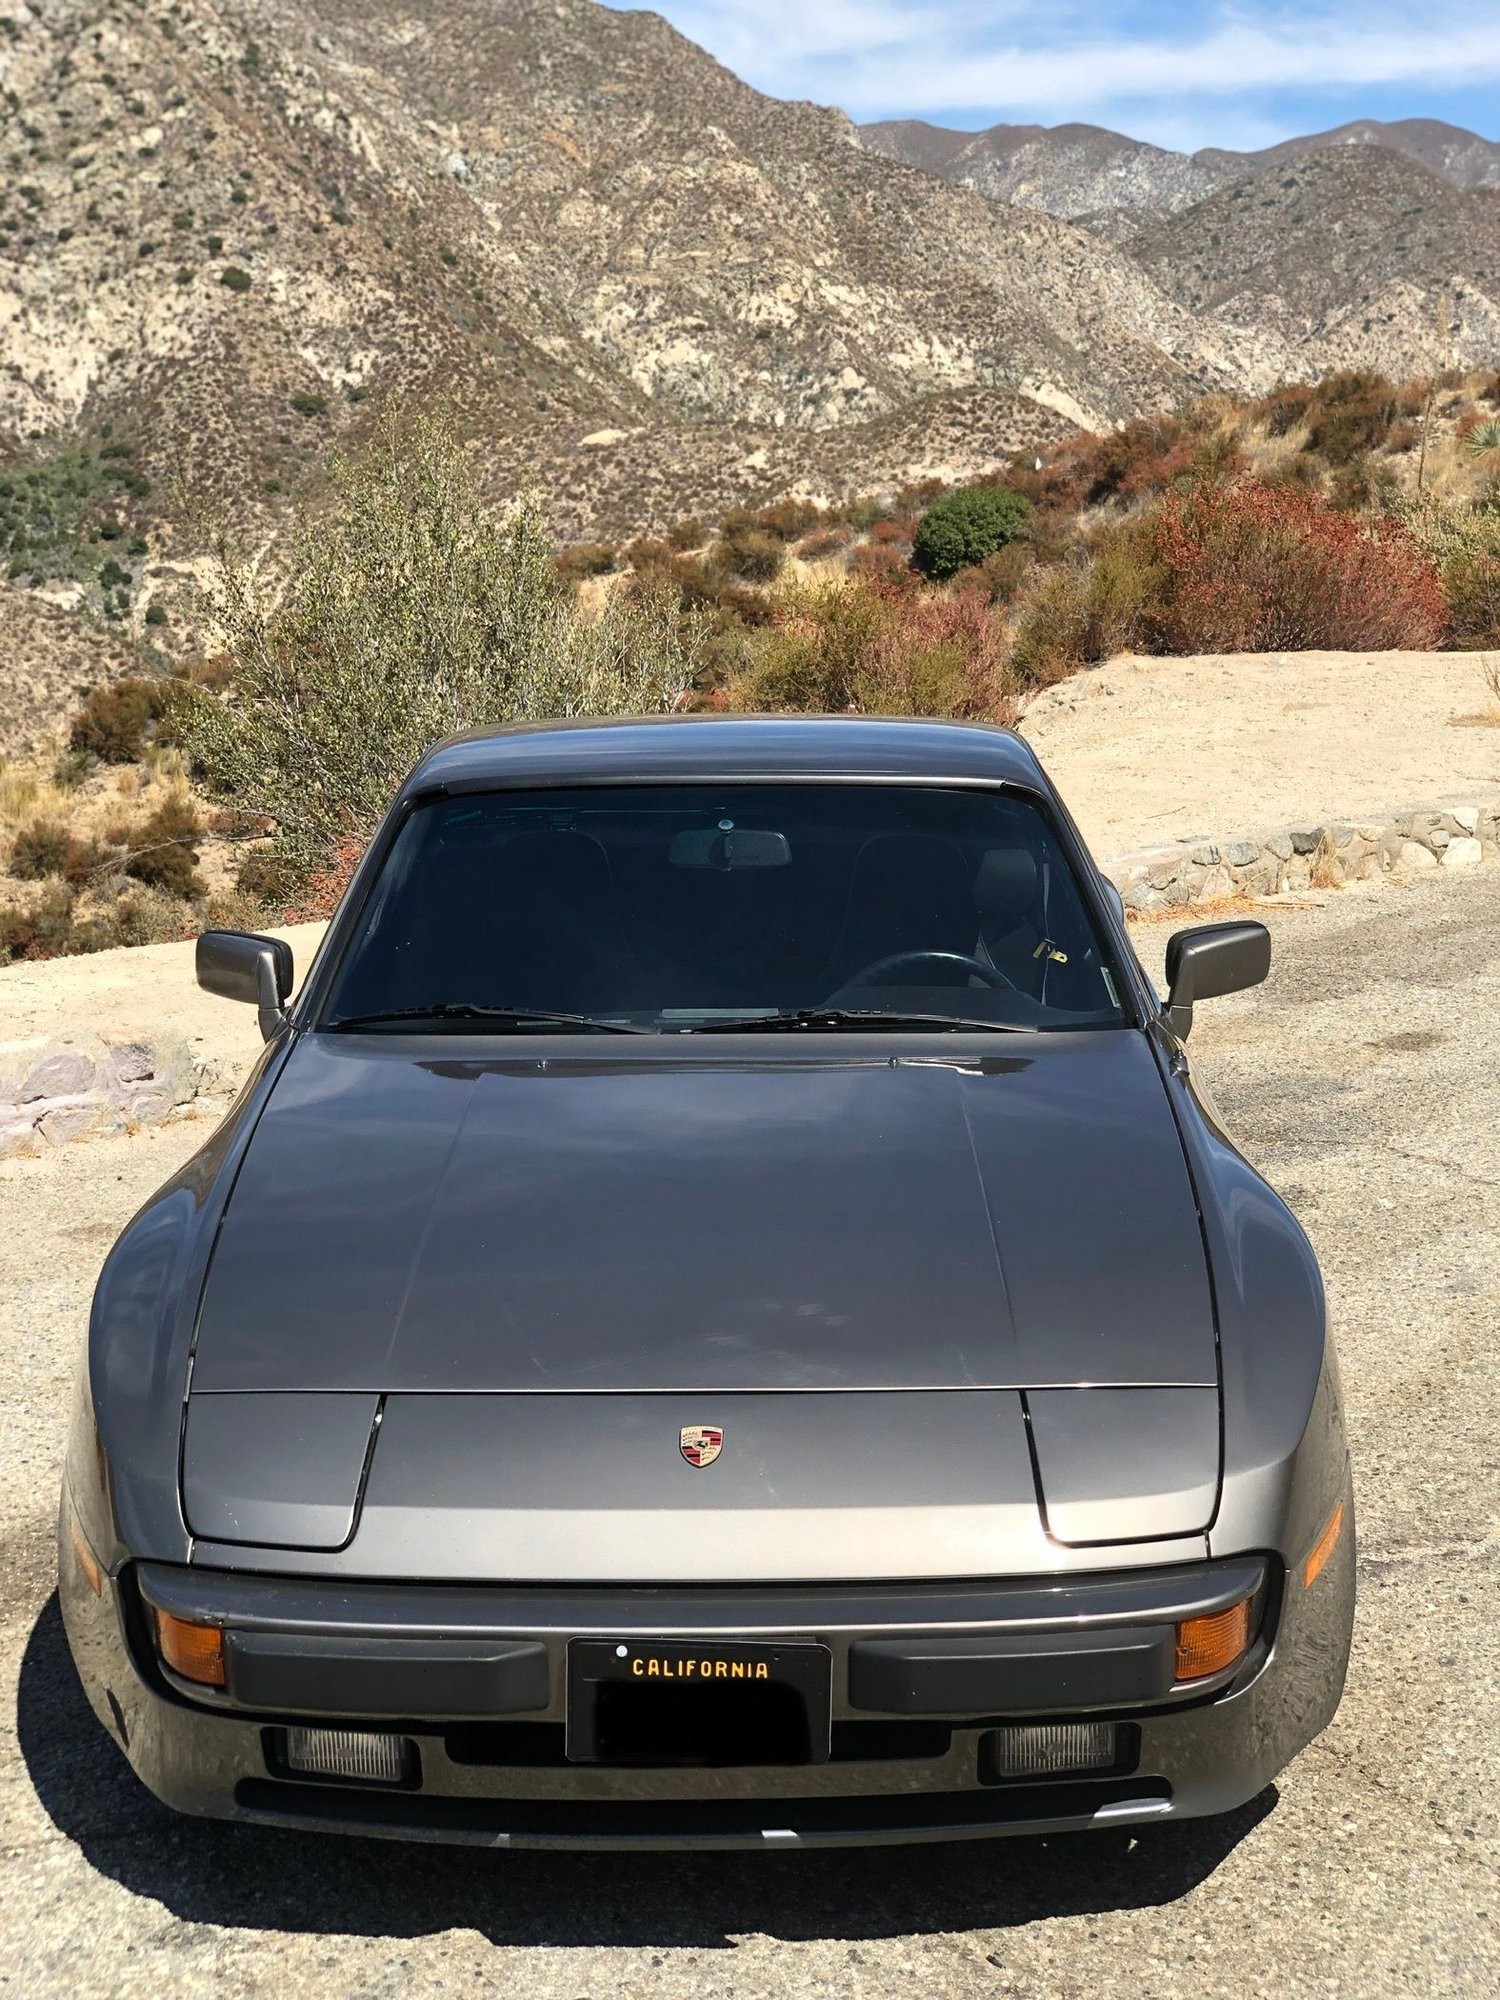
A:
<point x="1363" y="1079"/>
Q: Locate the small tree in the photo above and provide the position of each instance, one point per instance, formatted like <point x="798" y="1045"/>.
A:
<point x="966" y="526"/>
<point x="406" y="609"/>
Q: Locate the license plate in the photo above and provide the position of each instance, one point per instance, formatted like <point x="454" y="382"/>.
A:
<point x="698" y="1702"/>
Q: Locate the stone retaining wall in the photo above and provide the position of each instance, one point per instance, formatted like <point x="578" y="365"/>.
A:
<point x="1306" y="857"/>
<point x="51" y="1092"/>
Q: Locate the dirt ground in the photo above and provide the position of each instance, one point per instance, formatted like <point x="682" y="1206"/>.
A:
<point x="1150" y="751"/>
<point x="1360" y="1078"/>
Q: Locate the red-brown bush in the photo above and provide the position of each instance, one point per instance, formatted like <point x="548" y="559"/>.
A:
<point x="883" y="562"/>
<point x="1256" y="568"/>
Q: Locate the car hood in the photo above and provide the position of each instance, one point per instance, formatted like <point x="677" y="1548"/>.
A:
<point x="422" y="1216"/>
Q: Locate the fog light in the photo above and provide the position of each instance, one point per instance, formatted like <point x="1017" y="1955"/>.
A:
<point x="366" y="1754"/>
<point x="196" y="1652"/>
<point x="1210" y="1644"/>
<point x="1043" y="1749"/>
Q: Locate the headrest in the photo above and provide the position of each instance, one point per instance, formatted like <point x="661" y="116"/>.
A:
<point x="1005" y="889"/>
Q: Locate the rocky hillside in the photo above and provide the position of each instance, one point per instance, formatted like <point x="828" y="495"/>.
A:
<point x="233" y="229"/>
<point x="49" y="658"/>
<point x="233" y="221"/>
<point x="1350" y="257"/>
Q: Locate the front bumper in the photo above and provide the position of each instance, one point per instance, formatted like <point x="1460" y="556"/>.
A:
<point x="900" y="1772"/>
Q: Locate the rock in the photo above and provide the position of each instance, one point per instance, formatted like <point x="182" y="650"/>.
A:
<point x="61" y="1073"/>
<point x="1439" y="838"/>
<point x="130" y="1062"/>
<point x="1466" y="816"/>
<point x="74" y="1121"/>
<point x="1411" y="854"/>
<point x="1463" y="854"/>
<point x="1305" y="839"/>
<point x="456" y="167"/>
<point x="1206" y="854"/>
<point x="17" y="1140"/>
<point x="1242" y="853"/>
<point x="1280" y="844"/>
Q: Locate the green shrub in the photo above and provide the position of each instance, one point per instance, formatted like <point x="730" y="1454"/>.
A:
<point x="407" y="609"/>
<point x="164" y="849"/>
<point x="1090" y="608"/>
<point x="823" y="543"/>
<point x="46" y="849"/>
<point x="748" y="553"/>
<point x="585" y="559"/>
<point x="999" y="576"/>
<point x="863" y="646"/>
<point x="42" y="929"/>
<point x="145" y="914"/>
<point x="789" y="520"/>
<point x="156" y="614"/>
<point x="1471" y="589"/>
<point x="264" y="874"/>
<point x="1464" y="543"/>
<point x="116" y="723"/>
<point x="688" y="533"/>
<point x="965" y="526"/>
<point x="236" y="279"/>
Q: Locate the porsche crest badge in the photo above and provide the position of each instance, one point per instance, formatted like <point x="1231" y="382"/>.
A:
<point x="700" y="1444"/>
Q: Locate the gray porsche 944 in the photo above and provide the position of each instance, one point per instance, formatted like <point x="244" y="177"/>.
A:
<point x="720" y="1316"/>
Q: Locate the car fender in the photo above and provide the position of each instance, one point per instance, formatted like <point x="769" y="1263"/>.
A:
<point x="131" y="1387"/>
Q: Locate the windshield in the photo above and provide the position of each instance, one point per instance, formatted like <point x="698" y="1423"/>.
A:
<point x="693" y="908"/>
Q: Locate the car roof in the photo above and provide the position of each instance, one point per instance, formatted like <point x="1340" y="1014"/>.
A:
<point x="616" y="749"/>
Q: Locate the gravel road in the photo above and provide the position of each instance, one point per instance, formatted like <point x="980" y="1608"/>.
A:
<point x="1364" y="1081"/>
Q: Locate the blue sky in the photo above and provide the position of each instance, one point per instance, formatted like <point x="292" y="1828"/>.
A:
<point x="1183" y="75"/>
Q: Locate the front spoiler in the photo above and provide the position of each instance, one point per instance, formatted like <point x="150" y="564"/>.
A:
<point x="1208" y="1755"/>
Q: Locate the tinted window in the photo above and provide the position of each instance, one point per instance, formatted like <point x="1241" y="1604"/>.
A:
<point x="677" y="906"/>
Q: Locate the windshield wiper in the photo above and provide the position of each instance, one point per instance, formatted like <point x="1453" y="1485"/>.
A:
<point x="848" y="1017"/>
<point x="496" y="1018"/>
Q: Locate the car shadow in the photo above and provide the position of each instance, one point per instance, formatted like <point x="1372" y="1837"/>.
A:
<point x="254" y="1878"/>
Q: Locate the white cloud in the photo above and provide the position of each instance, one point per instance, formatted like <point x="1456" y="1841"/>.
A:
<point x="1003" y="59"/>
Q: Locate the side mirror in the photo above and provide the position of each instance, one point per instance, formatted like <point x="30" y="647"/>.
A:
<point x="1210" y="960"/>
<point x="240" y="966"/>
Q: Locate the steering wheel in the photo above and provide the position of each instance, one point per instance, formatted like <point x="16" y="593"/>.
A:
<point x="876" y="974"/>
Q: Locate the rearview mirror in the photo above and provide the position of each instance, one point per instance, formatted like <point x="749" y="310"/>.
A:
<point x="238" y="965"/>
<point x="1210" y="960"/>
<point x="729" y="847"/>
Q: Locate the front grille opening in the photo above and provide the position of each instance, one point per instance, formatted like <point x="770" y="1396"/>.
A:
<point x="890" y="1742"/>
<point x="667" y="1821"/>
<point x="526" y="1744"/>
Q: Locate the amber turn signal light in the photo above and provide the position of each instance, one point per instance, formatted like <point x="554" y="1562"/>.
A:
<point x="1210" y="1644"/>
<point x="196" y="1652"/>
<point x="93" y="1576"/>
<point x="1323" y="1547"/>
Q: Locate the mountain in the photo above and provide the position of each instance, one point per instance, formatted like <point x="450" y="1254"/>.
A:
<point x="233" y="230"/>
<point x="1081" y="172"/>
<point x="1118" y="185"/>
<point x="1351" y="257"/>
<point x="237" y="225"/>
<point x="1462" y="157"/>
